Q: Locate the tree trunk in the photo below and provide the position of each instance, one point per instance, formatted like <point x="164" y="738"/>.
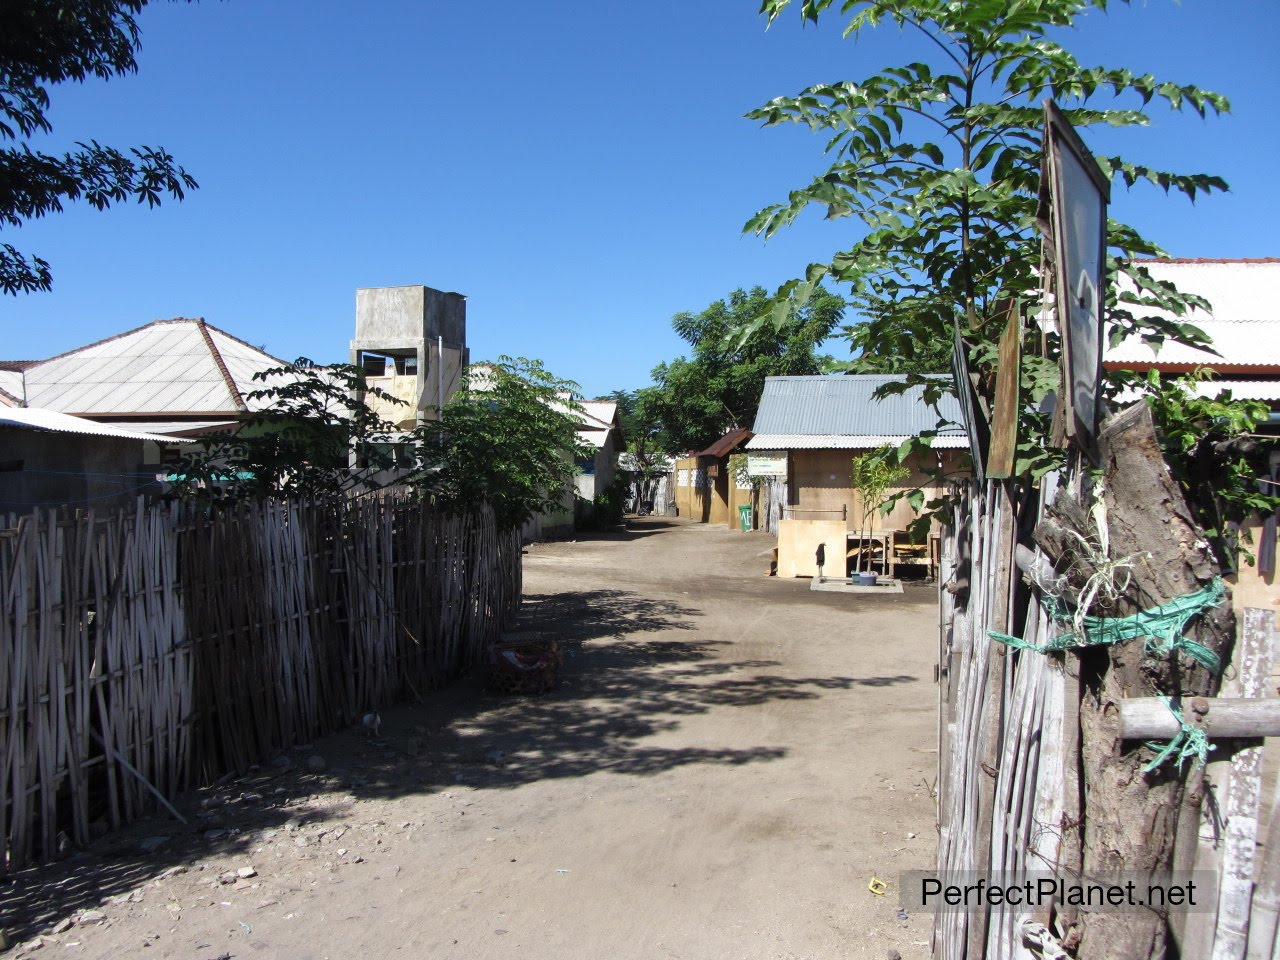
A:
<point x="1131" y="819"/>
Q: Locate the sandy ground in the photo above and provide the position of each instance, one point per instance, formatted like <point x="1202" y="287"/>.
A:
<point x="728" y="761"/>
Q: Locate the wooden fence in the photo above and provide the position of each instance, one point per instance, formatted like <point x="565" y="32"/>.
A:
<point x="1023" y="736"/>
<point x="161" y="649"/>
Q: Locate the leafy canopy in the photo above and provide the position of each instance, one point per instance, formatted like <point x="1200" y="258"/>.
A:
<point x="697" y="399"/>
<point x="46" y="42"/>
<point x="939" y="160"/>
<point x="508" y="438"/>
<point x="297" y="445"/>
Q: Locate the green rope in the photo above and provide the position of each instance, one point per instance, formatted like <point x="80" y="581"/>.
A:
<point x="1161" y="628"/>
<point x="1189" y="743"/>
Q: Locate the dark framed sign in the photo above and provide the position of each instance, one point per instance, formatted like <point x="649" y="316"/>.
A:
<point x="1078" y="194"/>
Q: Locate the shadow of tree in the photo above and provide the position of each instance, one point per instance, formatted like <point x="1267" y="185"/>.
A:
<point x="630" y="675"/>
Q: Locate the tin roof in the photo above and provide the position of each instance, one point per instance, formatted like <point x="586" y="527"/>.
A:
<point x="168" y="367"/>
<point x="597" y="419"/>
<point x="837" y="441"/>
<point x="11" y="386"/>
<point x="1244" y="324"/>
<point x="177" y="429"/>
<point x="35" y="418"/>
<point x="726" y="444"/>
<point x="832" y="412"/>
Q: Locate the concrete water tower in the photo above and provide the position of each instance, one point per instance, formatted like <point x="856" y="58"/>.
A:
<point x="412" y="343"/>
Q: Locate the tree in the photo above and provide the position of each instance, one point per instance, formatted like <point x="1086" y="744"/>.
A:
<point x="940" y="161"/>
<point x="642" y="432"/>
<point x="870" y="477"/>
<point x="45" y="42"/>
<point x="297" y="445"/>
<point x="696" y="400"/>
<point x="508" y="438"/>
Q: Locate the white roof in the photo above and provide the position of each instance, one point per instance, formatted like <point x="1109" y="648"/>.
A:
<point x="1267" y="390"/>
<point x="175" y="428"/>
<point x="1244" y="324"/>
<point x="166" y="367"/>
<point x="11" y="389"/>
<point x="34" y="418"/>
<point x="843" y="441"/>
<point x="598" y="414"/>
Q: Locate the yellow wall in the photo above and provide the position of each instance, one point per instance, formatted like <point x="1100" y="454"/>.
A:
<point x="693" y="499"/>
<point x="403" y="387"/>
<point x="819" y="486"/>
<point x="798" y="545"/>
<point x="718" y="491"/>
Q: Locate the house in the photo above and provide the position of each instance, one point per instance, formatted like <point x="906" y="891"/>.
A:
<point x="707" y="489"/>
<point x="1244" y="326"/>
<point x="174" y="378"/>
<point x="817" y="425"/>
<point x="599" y="431"/>
<point x="50" y="459"/>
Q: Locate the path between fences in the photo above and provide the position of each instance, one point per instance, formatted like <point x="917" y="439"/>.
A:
<point x="727" y="762"/>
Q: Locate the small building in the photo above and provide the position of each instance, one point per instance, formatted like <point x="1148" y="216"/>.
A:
<point x="819" y="424"/>
<point x="707" y="489"/>
<point x="176" y="378"/>
<point x="1244" y="327"/>
<point x="1243" y="324"/>
<point x="599" y="431"/>
<point x="50" y="459"/>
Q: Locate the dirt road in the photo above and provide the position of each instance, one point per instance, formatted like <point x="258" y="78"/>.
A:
<point x="727" y="762"/>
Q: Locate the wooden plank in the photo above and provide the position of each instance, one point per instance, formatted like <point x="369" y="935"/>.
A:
<point x="1235" y="886"/>
<point x="1004" y="416"/>
<point x="1149" y="718"/>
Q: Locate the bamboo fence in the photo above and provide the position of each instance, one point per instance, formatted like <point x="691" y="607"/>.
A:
<point x="1009" y="790"/>
<point x="152" y="650"/>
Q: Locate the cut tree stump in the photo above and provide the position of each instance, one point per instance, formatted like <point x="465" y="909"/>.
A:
<point x="1131" y="819"/>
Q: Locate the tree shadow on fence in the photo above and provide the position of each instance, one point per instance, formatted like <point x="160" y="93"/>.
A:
<point x="632" y="674"/>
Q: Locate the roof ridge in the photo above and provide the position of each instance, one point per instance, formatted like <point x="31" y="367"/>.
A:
<point x="221" y="364"/>
<point x="118" y="336"/>
<point x="245" y="343"/>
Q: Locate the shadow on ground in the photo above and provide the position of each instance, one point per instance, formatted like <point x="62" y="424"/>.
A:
<point x="631" y="673"/>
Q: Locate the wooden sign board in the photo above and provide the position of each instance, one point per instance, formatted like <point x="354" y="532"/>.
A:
<point x="1004" y="419"/>
<point x="975" y="417"/>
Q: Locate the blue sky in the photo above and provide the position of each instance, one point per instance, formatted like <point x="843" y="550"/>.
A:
<point x="580" y="171"/>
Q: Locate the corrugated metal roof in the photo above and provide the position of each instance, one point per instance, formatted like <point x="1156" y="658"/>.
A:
<point x="726" y="444"/>
<point x="847" y="407"/>
<point x="166" y="367"/>
<point x="11" y="384"/>
<point x="1268" y="390"/>
<point x="1241" y="389"/>
<point x="840" y="441"/>
<point x="177" y="428"/>
<point x="602" y="412"/>
<point x="1244" y="324"/>
<point x="34" y="418"/>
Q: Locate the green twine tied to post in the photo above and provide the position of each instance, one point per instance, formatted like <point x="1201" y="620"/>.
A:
<point x="1160" y="627"/>
<point x="1190" y="742"/>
